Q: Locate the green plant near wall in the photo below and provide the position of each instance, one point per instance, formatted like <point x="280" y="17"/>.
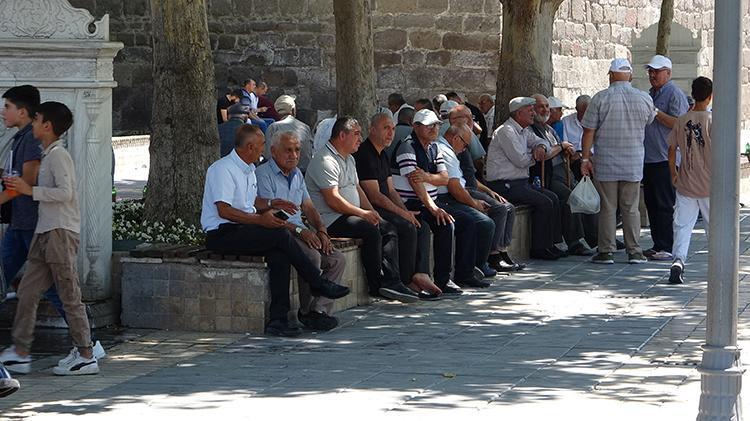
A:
<point x="128" y="224"/>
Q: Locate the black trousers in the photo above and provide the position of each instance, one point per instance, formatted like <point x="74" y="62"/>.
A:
<point x="280" y="250"/>
<point x="408" y="240"/>
<point x="504" y="216"/>
<point x="474" y="232"/>
<point x="545" y="217"/>
<point x="442" y="244"/>
<point x="379" y="249"/>
<point x="659" y="195"/>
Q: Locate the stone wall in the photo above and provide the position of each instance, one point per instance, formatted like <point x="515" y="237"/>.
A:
<point x="422" y="47"/>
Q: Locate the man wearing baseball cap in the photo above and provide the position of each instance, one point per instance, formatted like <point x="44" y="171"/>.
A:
<point x="658" y="191"/>
<point x="615" y="121"/>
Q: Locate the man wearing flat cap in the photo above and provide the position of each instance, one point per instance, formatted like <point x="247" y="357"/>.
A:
<point x="287" y="109"/>
<point x="513" y="150"/>
<point x="615" y="121"/>
<point x="658" y="191"/>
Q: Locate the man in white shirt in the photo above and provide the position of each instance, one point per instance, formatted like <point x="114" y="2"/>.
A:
<point x="396" y="103"/>
<point x="487" y="106"/>
<point x="573" y="132"/>
<point x="237" y="221"/>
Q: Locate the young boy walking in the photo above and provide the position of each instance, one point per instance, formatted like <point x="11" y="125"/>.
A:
<point x="54" y="249"/>
<point x="691" y="133"/>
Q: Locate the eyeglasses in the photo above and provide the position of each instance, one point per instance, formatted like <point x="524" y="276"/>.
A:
<point x="466" y="144"/>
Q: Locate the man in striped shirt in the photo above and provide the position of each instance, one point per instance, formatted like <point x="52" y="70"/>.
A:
<point x="419" y="168"/>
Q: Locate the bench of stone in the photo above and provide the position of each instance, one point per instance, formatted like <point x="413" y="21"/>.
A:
<point x="209" y="291"/>
<point x="193" y="289"/>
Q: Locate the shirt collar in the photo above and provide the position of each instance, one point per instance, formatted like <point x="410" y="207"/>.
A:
<point x="514" y="124"/>
<point x="619" y="83"/>
<point x="277" y="170"/>
<point x="22" y="131"/>
<point x="664" y="87"/>
<point x="50" y="147"/>
<point x="242" y="165"/>
<point x="332" y="148"/>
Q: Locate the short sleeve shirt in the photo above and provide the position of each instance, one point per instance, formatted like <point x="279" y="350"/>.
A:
<point x="25" y="148"/>
<point x="232" y="181"/>
<point x="372" y="165"/>
<point x="452" y="164"/>
<point x="671" y="100"/>
<point x="329" y="169"/>
<point x="273" y="184"/>
<point x="619" y="114"/>
<point x="406" y="162"/>
<point x="692" y="135"/>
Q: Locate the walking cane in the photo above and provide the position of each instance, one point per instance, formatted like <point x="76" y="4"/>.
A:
<point x="566" y="160"/>
<point x="542" y="163"/>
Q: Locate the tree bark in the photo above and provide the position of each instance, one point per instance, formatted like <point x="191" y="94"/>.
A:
<point x="526" y="52"/>
<point x="184" y="136"/>
<point x="665" y="27"/>
<point x="355" y="65"/>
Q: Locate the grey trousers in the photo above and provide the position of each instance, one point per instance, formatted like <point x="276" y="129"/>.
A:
<point x="332" y="265"/>
<point x="624" y="195"/>
<point x="503" y="214"/>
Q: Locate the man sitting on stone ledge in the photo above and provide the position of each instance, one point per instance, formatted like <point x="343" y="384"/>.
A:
<point x="334" y="188"/>
<point x="237" y="221"/>
<point x="279" y="178"/>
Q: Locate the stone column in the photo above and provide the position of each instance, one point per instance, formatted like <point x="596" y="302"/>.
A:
<point x="68" y="56"/>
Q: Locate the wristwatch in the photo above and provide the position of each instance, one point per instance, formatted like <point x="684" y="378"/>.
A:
<point x="298" y="231"/>
<point x="269" y="204"/>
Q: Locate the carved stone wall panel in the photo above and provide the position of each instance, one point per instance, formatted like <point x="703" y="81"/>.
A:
<point x="59" y="49"/>
<point x="49" y="19"/>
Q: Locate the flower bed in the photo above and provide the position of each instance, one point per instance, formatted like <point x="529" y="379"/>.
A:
<point x="128" y="224"/>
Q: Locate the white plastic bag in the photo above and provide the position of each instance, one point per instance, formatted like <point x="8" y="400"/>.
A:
<point x="584" y="198"/>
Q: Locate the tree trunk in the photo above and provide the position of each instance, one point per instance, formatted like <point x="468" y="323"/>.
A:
<point x="184" y="137"/>
<point x="665" y="27"/>
<point x="355" y="66"/>
<point x="526" y="52"/>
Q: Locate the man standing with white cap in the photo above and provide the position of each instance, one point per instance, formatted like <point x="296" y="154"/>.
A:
<point x="658" y="191"/>
<point x="287" y="110"/>
<point x="513" y="150"/>
<point x="615" y="121"/>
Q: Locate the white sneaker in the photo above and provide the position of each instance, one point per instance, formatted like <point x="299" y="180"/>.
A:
<point x="99" y="352"/>
<point x="97" y="349"/>
<point x="662" y="256"/>
<point x="76" y="365"/>
<point x="14" y="362"/>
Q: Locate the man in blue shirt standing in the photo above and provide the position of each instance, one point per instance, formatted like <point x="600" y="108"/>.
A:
<point x="659" y="194"/>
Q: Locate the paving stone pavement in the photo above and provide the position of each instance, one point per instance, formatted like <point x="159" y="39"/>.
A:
<point x="565" y="339"/>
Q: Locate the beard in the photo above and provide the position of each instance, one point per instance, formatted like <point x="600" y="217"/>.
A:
<point x="541" y="119"/>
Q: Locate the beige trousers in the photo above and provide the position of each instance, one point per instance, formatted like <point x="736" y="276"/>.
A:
<point x="52" y="261"/>
<point x="624" y="195"/>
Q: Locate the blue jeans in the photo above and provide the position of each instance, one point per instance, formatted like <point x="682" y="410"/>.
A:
<point x="15" y="248"/>
<point x="260" y="123"/>
<point x="474" y="232"/>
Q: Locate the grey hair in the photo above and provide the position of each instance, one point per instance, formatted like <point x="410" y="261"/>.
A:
<point x="583" y="100"/>
<point x="381" y="115"/>
<point x="279" y="136"/>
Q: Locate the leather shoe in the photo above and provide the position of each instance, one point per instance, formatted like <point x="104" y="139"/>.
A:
<point x="505" y="257"/>
<point x="319" y="322"/>
<point x="473" y="283"/>
<point x="545" y="254"/>
<point x="329" y="289"/>
<point x="282" y="328"/>
<point x="399" y="292"/>
<point x="580" y="250"/>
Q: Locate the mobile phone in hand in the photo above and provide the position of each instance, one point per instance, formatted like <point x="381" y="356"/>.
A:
<point x="281" y="215"/>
